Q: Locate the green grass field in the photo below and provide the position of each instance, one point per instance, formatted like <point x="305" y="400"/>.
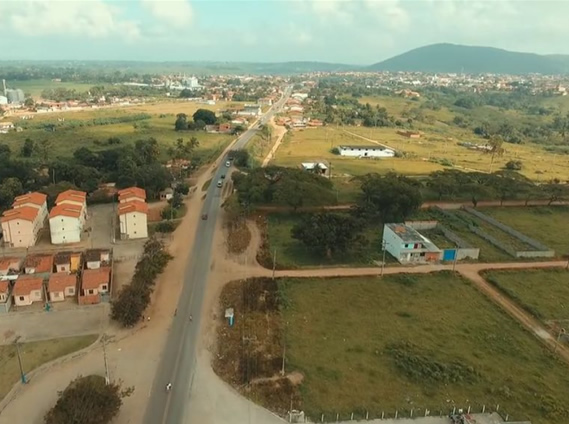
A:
<point x="401" y="342"/>
<point x="292" y="253"/>
<point x="34" y="355"/>
<point x="544" y="292"/>
<point x="547" y="224"/>
<point x="159" y="126"/>
<point x="35" y="87"/>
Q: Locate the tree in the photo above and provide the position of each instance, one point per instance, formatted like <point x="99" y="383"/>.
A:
<point x="555" y="191"/>
<point x="181" y="123"/>
<point x="266" y="132"/>
<point x="86" y="157"/>
<point x="88" y="400"/>
<point x="129" y="305"/>
<point x="205" y="115"/>
<point x="183" y="150"/>
<point x="146" y="151"/>
<point x="495" y="147"/>
<point x="176" y="201"/>
<point x="240" y="158"/>
<point x="389" y="198"/>
<point x="44" y="148"/>
<point x="9" y="189"/>
<point x="28" y="148"/>
<point x="329" y="233"/>
<point x="29" y="102"/>
<point x="289" y="192"/>
<point x="5" y="152"/>
<point x="182" y="188"/>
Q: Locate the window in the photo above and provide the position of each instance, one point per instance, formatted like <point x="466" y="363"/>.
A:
<point x="90" y="291"/>
<point x="71" y="290"/>
<point x="22" y="298"/>
<point x="104" y="287"/>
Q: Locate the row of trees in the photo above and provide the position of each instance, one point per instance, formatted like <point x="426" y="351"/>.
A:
<point x="36" y="168"/>
<point x="75" y="123"/>
<point x="133" y="299"/>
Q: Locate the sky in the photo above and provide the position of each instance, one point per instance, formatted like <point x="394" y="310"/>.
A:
<point x="344" y="31"/>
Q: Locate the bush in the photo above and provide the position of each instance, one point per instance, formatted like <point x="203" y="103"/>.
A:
<point x="514" y="165"/>
<point x="165" y="227"/>
<point x="88" y="400"/>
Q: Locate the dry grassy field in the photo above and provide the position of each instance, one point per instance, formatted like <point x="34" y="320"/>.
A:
<point x="422" y="156"/>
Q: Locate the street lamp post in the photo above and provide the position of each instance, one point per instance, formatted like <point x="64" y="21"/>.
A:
<point x="383" y="246"/>
<point x="22" y="374"/>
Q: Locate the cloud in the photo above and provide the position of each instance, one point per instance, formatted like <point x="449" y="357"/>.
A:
<point x="174" y="12"/>
<point x="90" y="18"/>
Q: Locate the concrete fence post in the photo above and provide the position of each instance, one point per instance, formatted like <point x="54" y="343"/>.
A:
<point x="337" y="417"/>
<point x="497" y="407"/>
<point x="322" y="418"/>
<point x="367" y="415"/>
<point x="411" y="412"/>
<point x="396" y="413"/>
<point x="352" y="417"/>
<point x="507" y="416"/>
<point x="453" y="410"/>
<point x="382" y="414"/>
<point x="468" y="409"/>
<point x="483" y="408"/>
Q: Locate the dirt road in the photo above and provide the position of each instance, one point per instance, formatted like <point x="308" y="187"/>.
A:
<point x="280" y="132"/>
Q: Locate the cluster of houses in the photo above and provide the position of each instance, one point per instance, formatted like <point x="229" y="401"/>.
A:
<point x="45" y="278"/>
<point x="22" y="224"/>
<point x="133" y="213"/>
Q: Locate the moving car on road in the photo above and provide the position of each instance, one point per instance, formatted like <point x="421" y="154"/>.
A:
<point x="228" y="163"/>
<point x="220" y="183"/>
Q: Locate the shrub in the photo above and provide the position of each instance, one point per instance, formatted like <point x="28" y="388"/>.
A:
<point x="165" y="227"/>
<point x="514" y="165"/>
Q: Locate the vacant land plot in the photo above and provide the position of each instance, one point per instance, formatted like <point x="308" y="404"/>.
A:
<point x="65" y="140"/>
<point x="436" y="150"/>
<point x="35" y="87"/>
<point x="291" y="253"/>
<point x="414" y="341"/>
<point x="35" y="354"/>
<point x="547" y="224"/>
<point x="544" y="293"/>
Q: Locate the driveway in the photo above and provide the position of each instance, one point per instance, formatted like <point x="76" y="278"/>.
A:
<point x="41" y="325"/>
<point x="102" y="222"/>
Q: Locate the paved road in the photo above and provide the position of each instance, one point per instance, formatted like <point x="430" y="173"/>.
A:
<point x="178" y="361"/>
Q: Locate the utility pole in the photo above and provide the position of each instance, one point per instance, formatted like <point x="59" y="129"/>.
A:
<point x="22" y="374"/>
<point x="383" y="245"/>
<point x="274" y="263"/>
<point x="455" y="258"/>
<point x="104" y="341"/>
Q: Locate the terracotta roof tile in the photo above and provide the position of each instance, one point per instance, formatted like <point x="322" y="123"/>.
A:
<point x="6" y="263"/>
<point x="133" y="206"/>
<point x="26" y="283"/>
<point x="4" y="284"/>
<point x="60" y="281"/>
<point x="26" y="213"/>
<point x="132" y="192"/>
<point x="92" y="278"/>
<point x="72" y="211"/>
<point x="41" y="263"/>
<point x="34" y="197"/>
<point x="73" y="195"/>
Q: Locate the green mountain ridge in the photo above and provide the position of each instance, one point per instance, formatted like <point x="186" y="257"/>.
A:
<point x="454" y="58"/>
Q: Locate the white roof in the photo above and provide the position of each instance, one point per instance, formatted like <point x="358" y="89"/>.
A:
<point x="312" y="165"/>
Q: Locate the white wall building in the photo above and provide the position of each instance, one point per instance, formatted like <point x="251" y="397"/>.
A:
<point x="74" y="198"/>
<point x="366" y="151"/>
<point x="66" y="223"/>
<point x="34" y="200"/>
<point x="133" y="219"/>
<point x="407" y="245"/>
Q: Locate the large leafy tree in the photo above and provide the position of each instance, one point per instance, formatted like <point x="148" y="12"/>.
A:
<point x="181" y="123"/>
<point x="206" y="116"/>
<point x="88" y="400"/>
<point x="329" y="233"/>
<point x="389" y="198"/>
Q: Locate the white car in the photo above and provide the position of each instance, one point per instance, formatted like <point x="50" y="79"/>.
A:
<point x="228" y="164"/>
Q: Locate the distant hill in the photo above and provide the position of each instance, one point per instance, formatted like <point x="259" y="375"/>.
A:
<point x="451" y="58"/>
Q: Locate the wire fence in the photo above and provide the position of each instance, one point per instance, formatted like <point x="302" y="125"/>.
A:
<point x="363" y="414"/>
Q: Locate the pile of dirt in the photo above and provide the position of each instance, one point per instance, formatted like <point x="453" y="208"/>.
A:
<point x="249" y="353"/>
<point x="238" y="237"/>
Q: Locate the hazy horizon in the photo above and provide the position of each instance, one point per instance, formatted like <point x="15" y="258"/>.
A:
<point x="356" y="32"/>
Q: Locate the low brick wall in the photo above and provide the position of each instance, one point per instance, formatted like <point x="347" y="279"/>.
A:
<point x="92" y="299"/>
<point x="541" y="250"/>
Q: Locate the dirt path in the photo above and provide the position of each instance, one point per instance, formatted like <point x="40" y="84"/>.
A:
<point x="280" y="132"/>
<point x="425" y="205"/>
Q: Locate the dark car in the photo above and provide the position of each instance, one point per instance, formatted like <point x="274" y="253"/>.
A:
<point x="204" y="216"/>
<point x="222" y="176"/>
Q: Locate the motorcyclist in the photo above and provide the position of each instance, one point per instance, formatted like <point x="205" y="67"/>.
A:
<point x="168" y="387"/>
<point x="190" y="318"/>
